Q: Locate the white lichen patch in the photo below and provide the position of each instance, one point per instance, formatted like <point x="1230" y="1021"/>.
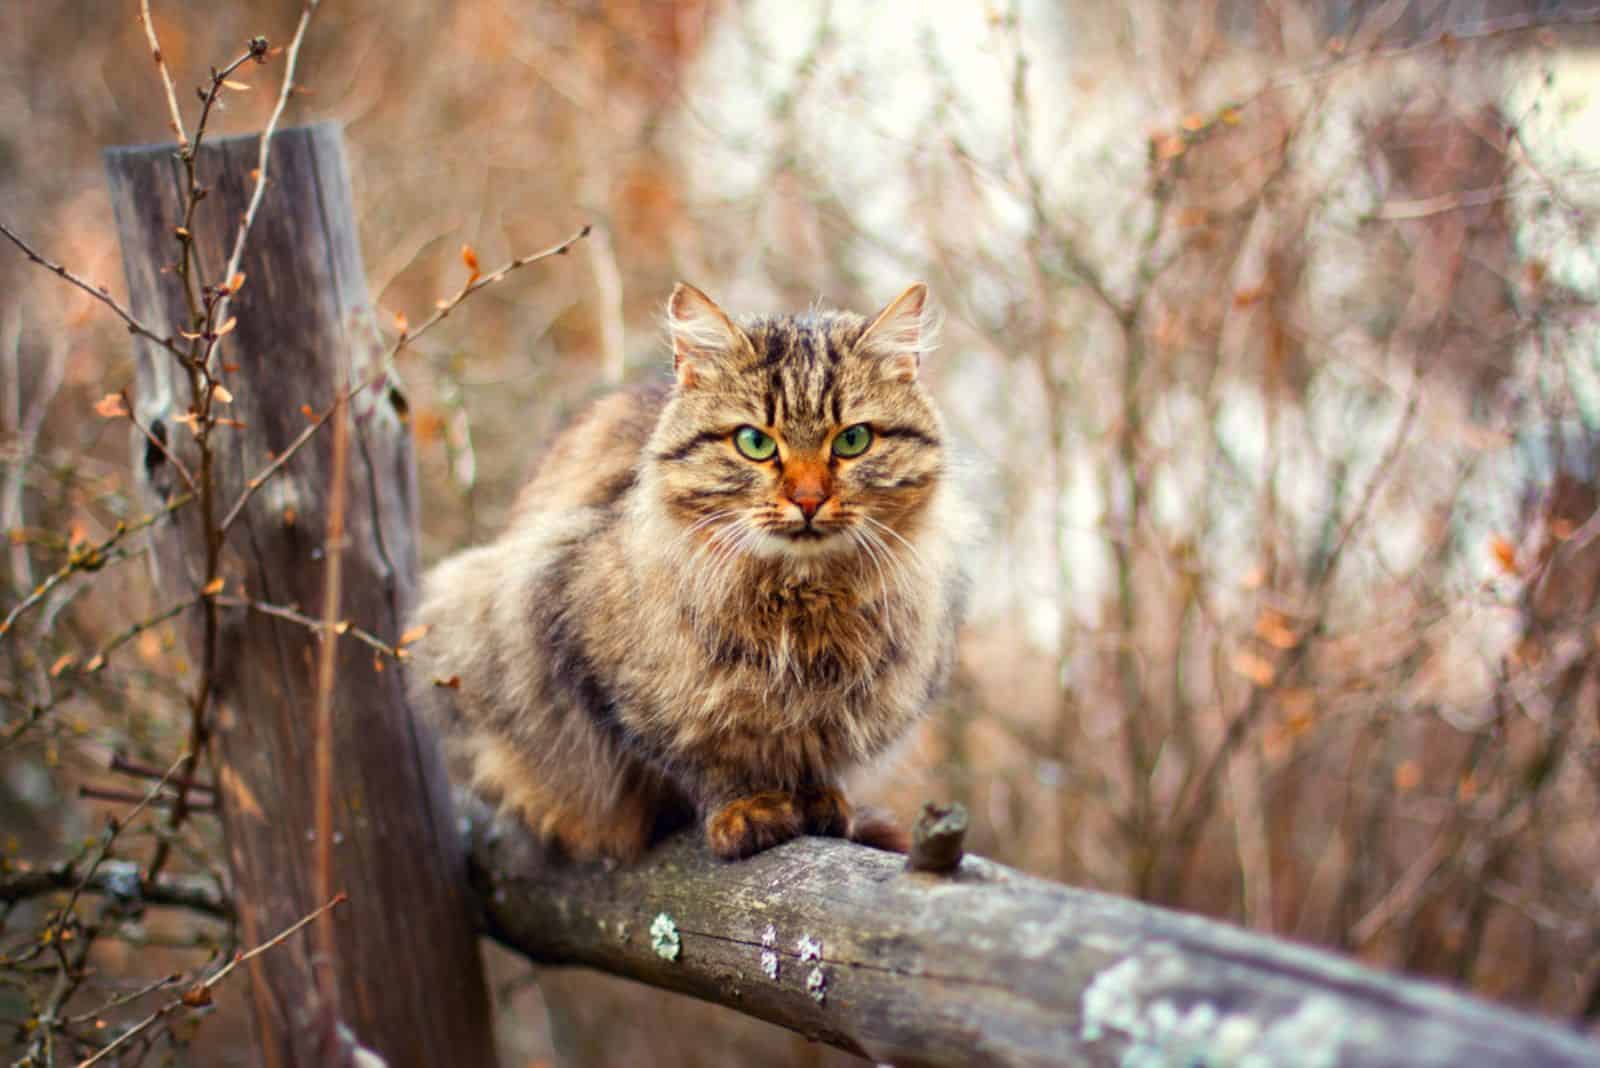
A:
<point x="810" y="949"/>
<point x="817" y="985"/>
<point x="1141" y="1000"/>
<point x="664" y="937"/>
<point x="769" y="952"/>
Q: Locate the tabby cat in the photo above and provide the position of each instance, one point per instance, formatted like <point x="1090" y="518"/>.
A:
<point x="715" y="596"/>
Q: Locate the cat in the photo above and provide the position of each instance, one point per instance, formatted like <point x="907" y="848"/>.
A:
<point x="716" y="595"/>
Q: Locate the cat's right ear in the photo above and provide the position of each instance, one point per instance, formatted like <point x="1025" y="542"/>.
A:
<point x="703" y="336"/>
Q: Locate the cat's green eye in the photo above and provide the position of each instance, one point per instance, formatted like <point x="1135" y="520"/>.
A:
<point x="852" y="440"/>
<point x="754" y="444"/>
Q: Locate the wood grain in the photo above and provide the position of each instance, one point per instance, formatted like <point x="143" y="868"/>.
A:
<point x="411" y="980"/>
<point x="985" y="966"/>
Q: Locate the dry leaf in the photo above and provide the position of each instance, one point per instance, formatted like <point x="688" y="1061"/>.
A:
<point x="111" y="406"/>
<point x="451" y="683"/>
<point x="227" y="328"/>
<point x="238" y="87"/>
<point x="400" y="323"/>
<point x="197" y="996"/>
<point x="1272" y="629"/>
<point x="341" y="626"/>
<point x="1407" y="776"/>
<point x="236" y="283"/>
<point x="221" y="392"/>
<point x="213" y="587"/>
<point x="1258" y="669"/>
<point x="414" y="634"/>
<point x="62" y="663"/>
<point x="470" y="258"/>
<point x="1504" y="554"/>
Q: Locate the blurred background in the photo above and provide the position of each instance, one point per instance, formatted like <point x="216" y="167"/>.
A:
<point x="1271" y="347"/>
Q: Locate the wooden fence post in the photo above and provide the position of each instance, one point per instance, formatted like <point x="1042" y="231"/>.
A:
<point x="410" y="978"/>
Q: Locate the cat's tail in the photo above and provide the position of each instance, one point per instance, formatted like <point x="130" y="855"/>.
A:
<point x="878" y="829"/>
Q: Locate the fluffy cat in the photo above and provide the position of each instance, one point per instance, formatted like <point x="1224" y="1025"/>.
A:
<point x="715" y="596"/>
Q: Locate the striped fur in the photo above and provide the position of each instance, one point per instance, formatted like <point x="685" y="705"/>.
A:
<point x="661" y="632"/>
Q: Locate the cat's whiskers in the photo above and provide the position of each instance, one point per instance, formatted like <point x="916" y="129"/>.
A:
<point x="890" y="556"/>
<point x="860" y="537"/>
<point x="916" y="554"/>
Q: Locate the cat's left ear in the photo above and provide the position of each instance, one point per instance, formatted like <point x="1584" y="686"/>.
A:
<point x="703" y="337"/>
<point x="900" y="334"/>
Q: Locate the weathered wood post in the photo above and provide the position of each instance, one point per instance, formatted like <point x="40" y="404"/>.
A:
<point x="409" y="975"/>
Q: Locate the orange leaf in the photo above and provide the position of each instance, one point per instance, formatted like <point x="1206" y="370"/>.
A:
<point x="62" y="663"/>
<point x="1258" y="669"/>
<point x="227" y="328"/>
<point x="213" y="587"/>
<point x="1272" y="629"/>
<point x="341" y="626"/>
<point x="400" y="323"/>
<point x="236" y="283"/>
<point x="221" y="393"/>
<point x="1504" y="554"/>
<point x="111" y="406"/>
<point x="470" y="258"/>
<point x="197" y="996"/>
<point x="451" y="683"/>
<point x="1407" y="776"/>
<point x="412" y="635"/>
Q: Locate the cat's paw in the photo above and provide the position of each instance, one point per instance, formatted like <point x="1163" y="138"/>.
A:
<point x="750" y="824"/>
<point x="826" y="811"/>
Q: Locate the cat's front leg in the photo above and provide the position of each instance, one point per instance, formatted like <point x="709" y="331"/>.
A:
<point x="829" y="813"/>
<point x="741" y="826"/>
<point x="741" y="821"/>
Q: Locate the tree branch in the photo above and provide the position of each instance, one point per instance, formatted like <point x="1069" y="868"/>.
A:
<point x="985" y="966"/>
<point x="193" y="892"/>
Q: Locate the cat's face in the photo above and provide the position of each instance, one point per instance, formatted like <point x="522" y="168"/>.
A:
<point x="798" y="436"/>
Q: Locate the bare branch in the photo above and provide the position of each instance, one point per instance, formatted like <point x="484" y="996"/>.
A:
<point x="99" y="293"/>
<point x="199" y="994"/>
<point x="166" y="75"/>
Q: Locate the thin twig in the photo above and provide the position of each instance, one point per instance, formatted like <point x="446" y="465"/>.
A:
<point x="166" y="75"/>
<point x="327" y="666"/>
<point x="406" y="338"/>
<point x="166" y="453"/>
<point x="122" y="797"/>
<point x="91" y="558"/>
<point x="200" y="991"/>
<point x="108" y="839"/>
<point x="99" y="293"/>
<point x="236" y="257"/>
<point x="124" y="765"/>
<point x="339" y="627"/>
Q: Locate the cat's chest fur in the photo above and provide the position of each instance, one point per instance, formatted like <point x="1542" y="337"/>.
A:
<point x="784" y="654"/>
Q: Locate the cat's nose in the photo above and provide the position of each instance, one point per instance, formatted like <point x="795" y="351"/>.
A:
<point x="808" y="487"/>
<point x="808" y="502"/>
